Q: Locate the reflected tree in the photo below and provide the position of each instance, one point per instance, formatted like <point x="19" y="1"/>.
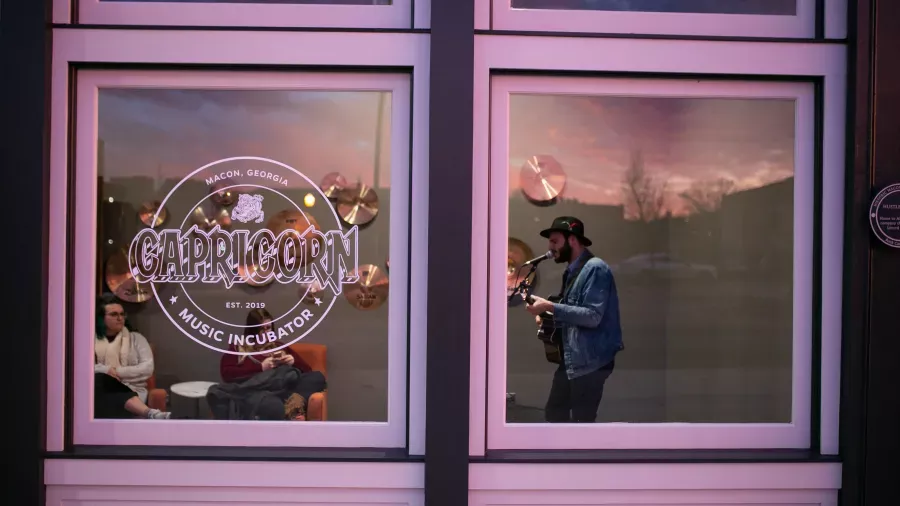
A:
<point x="644" y="195"/>
<point x="706" y="196"/>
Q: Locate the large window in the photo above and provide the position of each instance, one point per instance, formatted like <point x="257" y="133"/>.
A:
<point x="697" y="197"/>
<point x="282" y="13"/>
<point x="243" y="239"/>
<point x="780" y="7"/>
<point x="738" y="18"/>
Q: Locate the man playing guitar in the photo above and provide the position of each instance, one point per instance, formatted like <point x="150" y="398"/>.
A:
<point x="586" y="318"/>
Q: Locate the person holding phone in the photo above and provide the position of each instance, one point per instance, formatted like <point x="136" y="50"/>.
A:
<point x="239" y="368"/>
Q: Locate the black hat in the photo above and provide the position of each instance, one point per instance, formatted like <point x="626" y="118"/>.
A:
<point x="568" y="225"/>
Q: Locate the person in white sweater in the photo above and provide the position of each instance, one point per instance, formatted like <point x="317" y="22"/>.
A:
<point x="123" y="362"/>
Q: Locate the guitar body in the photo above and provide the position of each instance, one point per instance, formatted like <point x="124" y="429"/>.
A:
<point x="551" y="335"/>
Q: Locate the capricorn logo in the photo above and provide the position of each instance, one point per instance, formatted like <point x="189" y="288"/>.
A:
<point x="248" y="207"/>
<point x="206" y="280"/>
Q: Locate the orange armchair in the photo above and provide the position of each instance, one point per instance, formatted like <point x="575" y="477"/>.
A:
<point x="156" y="397"/>
<point x="315" y="355"/>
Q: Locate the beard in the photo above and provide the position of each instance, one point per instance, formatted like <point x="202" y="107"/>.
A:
<point x="564" y="254"/>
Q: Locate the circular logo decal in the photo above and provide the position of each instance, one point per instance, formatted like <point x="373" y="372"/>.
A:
<point x="244" y="244"/>
<point x="884" y="215"/>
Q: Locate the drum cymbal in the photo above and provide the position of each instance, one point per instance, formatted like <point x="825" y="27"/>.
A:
<point x="246" y="272"/>
<point x="542" y="178"/>
<point x="312" y="291"/>
<point x="518" y="253"/>
<point x="371" y="289"/>
<point x="294" y="219"/>
<point x="332" y="183"/>
<point x="206" y="216"/>
<point x="220" y="195"/>
<point x="122" y="283"/>
<point x="357" y="205"/>
<point x="148" y="211"/>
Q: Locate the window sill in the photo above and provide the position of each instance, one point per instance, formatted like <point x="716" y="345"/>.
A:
<point x="651" y="456"/>
<point x="220" y="453"/>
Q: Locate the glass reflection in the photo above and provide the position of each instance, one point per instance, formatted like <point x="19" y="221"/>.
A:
<point x="153" y="147"/>
<point x="771" y="7"/>
<point x="689" y="202"/>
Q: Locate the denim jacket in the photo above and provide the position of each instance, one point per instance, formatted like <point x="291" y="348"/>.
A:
<point x="589" y="317"/>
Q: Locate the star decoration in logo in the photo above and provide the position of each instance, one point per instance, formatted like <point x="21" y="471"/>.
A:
<point x="318" y="301"/>
<point x="172" y="299"/>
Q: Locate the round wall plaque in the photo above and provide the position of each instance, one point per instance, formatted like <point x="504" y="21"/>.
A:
<point x="884" y="215"/>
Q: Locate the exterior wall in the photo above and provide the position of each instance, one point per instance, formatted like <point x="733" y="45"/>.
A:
<point x="654" y="484"/>
<point x="459" y="467"/>
<point x="88" y="483"/>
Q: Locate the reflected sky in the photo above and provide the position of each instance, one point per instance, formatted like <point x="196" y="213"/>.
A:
<point x="682" y="141"/>
<point x="166" y="134"/>
<point x="774" y="7"/>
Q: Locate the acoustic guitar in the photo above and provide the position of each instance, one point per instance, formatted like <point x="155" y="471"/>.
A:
<point x="548" y="333"/>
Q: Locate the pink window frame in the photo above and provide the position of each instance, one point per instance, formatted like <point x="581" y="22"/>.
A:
<point x="488" y="430"/>
<point x="91" y="431"/>
<point x="400" y="14"/>
<point x="499" y="15"/>
<point x="624" y="435"/>
<point x="408" y="219"/>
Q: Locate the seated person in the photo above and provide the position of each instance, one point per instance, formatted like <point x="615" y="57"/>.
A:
<point x="123" y="362"/>
<point x="290" y="405"/>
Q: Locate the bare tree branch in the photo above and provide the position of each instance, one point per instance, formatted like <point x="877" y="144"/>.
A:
<point x="644" y="195"/>
<point x="706" y="196"/>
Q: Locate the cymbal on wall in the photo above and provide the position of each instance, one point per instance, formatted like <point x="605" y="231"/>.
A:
<point x="121" y="281"/>
<point x="357" y="205"/>
<point x="370" y="290"/>
<point x="517" y="254"/>
<point x="221" y="192"/>
<point x="297" y="221"/>
<point x="332" y="184"/>
<point x="207" y="215"/>
<point x="542" y="178"/>
<point x="148" y="210"/>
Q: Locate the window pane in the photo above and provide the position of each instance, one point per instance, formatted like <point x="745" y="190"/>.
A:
<point x="689" y="202"/>
<point x="231" y="226"/>
<point x="320" y="2"/>
<point x="778" y="7"/>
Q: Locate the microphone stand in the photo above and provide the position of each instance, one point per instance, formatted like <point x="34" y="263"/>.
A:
<point x="524" y="285"/>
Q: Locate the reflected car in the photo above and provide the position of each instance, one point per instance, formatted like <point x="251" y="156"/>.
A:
<point x="662" y="265"/>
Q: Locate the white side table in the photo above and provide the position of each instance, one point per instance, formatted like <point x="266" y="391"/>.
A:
<point x="193" y="390"/>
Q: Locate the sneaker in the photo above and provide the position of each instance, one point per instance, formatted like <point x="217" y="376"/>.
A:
<point x="156" y="414"/>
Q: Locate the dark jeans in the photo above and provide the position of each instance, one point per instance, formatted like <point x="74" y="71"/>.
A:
<point x="272" y="407"/>
<point x="576" y="400"/>
<point x="110" y="396"/>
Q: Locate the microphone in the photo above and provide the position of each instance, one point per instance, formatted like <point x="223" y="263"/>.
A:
<point x="539" y="259"/>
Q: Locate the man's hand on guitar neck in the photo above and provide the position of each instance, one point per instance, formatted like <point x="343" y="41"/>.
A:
<point x="539" y="305"/>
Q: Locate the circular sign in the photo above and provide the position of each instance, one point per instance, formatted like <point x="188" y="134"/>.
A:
<point x="265" y="254"/>
<point x="884" y="215"/>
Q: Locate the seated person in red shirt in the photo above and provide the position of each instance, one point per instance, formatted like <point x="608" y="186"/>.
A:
<point x="239" y="368"/>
